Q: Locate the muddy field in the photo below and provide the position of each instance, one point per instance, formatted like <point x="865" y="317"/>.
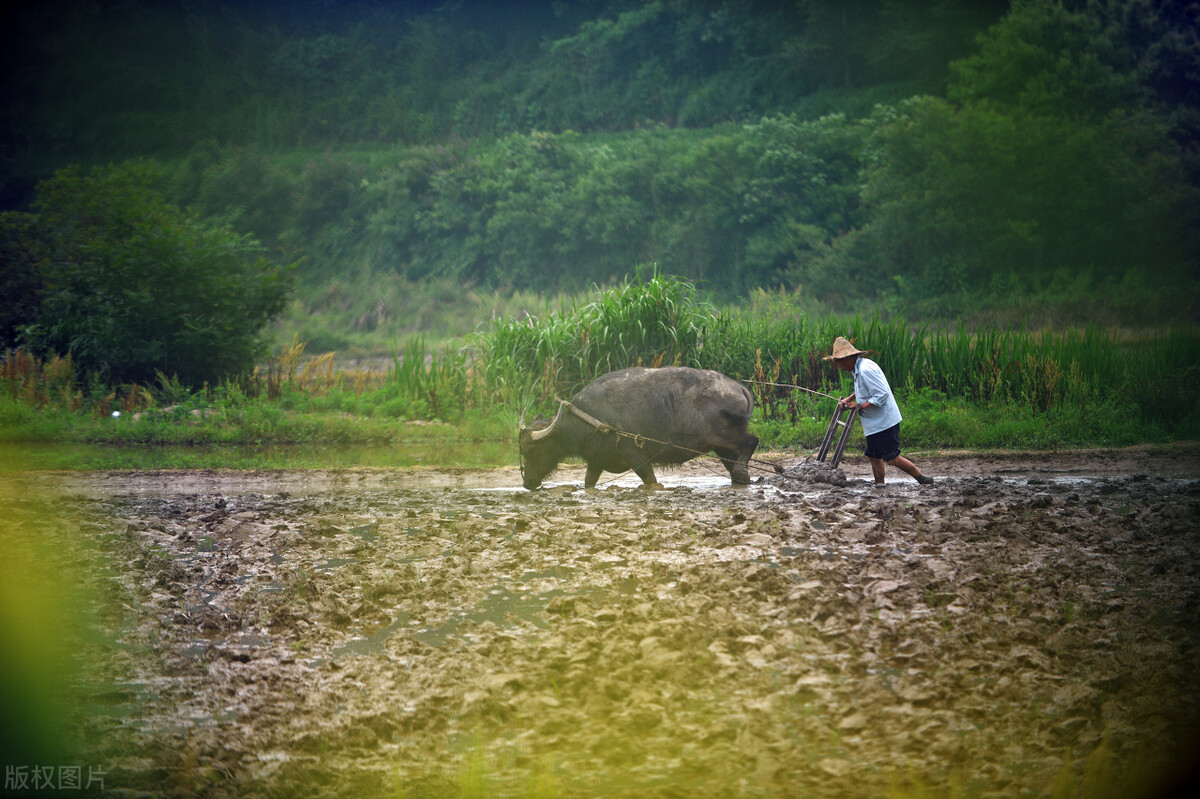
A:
<point x="1026" y="626"/>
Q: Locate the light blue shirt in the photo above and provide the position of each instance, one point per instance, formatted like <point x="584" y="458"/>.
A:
<point x="870" y="385"/>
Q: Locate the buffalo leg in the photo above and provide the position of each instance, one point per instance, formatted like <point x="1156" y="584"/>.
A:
<point x="593" y="474"/>
<point x="738" y="472"/>
<point x="640" y="461"/>
<point x="738" y="461"/>
<point x="646" y="472"/>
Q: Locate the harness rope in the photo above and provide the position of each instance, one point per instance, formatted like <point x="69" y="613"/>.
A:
<point x="791" y="385"/>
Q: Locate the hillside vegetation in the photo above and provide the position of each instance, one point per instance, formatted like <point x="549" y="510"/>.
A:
<point x="501" y="201"/>
<point x="1034" y="162"/>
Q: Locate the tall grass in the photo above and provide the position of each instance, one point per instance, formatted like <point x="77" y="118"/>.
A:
<point x="652" y="322"/>
<point x="1093" y="383"/>
<point x="995" y="386"/>
<point x="1040" y="370"/>
<point x="35" y="382"/>
<point x="437" y="385"/>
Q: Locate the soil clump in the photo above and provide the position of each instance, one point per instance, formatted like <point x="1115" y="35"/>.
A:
<point x="809" y="471"/>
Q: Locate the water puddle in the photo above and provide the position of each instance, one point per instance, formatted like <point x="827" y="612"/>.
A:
<point x="704" y="482"/>
<point x="502" y="607"/>
<point x="552" y="573"/>
<point x="373" y="642"/>
<point x="366" y="532"/>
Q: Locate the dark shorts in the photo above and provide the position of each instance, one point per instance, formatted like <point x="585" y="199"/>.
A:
<point x="885" y="444"/>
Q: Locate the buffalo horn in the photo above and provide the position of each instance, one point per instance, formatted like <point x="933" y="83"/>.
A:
<point x="538" y="435"/>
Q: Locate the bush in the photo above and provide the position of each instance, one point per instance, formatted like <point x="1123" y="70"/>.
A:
<point x="131" y="286"/>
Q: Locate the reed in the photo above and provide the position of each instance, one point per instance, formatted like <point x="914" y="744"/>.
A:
<point x="1043" y="371"/>
<point x="40" y="383"/>
<point x="772" y="347"/>
<point x="438" y="383"/>
<point x="654" y="322"/>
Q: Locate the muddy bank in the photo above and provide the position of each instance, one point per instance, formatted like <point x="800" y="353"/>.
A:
<point x="1025" y="620"/>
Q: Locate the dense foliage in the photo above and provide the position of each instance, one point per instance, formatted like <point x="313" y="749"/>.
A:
<point x="654" y="323"/>
<point x="942" y="158"/>
<point x="989" y="388"/>
<point x="920" y="201"/>
<point x="130" y="286"/>
<point x="661" y="321"/>
<point x="1059" y="161"/>
<point x="138" y="78"/>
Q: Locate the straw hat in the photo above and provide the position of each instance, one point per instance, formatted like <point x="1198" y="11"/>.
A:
<point x="843" y="349"/>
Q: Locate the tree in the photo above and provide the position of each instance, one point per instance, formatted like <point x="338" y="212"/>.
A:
<point x="958" y="198"/>
<point x="1044" y="58"/>
<point x="130" y="285"/>
<point x="18" y="282"/>
<point x="1049" y="158"/>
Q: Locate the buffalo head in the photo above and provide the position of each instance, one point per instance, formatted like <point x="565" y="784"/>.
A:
<point x="540" y="451"/>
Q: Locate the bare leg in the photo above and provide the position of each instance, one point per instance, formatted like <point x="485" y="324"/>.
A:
<point x="908" y="467"/>
<point x="877" y="469"/>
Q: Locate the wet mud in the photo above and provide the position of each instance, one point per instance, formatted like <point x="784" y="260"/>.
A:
<point x="1024" y="623"/>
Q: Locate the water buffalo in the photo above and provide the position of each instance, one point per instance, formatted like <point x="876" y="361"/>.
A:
<point x="635" y="418"/>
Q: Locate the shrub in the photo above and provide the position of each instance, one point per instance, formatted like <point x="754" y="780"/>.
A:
<point x="131" y="286"/>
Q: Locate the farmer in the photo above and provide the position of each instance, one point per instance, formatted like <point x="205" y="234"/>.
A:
<point x="877" y="410"/>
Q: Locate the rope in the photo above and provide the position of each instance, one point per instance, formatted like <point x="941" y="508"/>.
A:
<point x="791" y="385"/>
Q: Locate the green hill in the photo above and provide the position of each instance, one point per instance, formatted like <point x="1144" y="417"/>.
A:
<point x="944" y="158"/>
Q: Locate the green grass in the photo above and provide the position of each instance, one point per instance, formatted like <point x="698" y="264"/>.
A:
<point x="659" y="321"/>
<point x="959" y="387"/>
